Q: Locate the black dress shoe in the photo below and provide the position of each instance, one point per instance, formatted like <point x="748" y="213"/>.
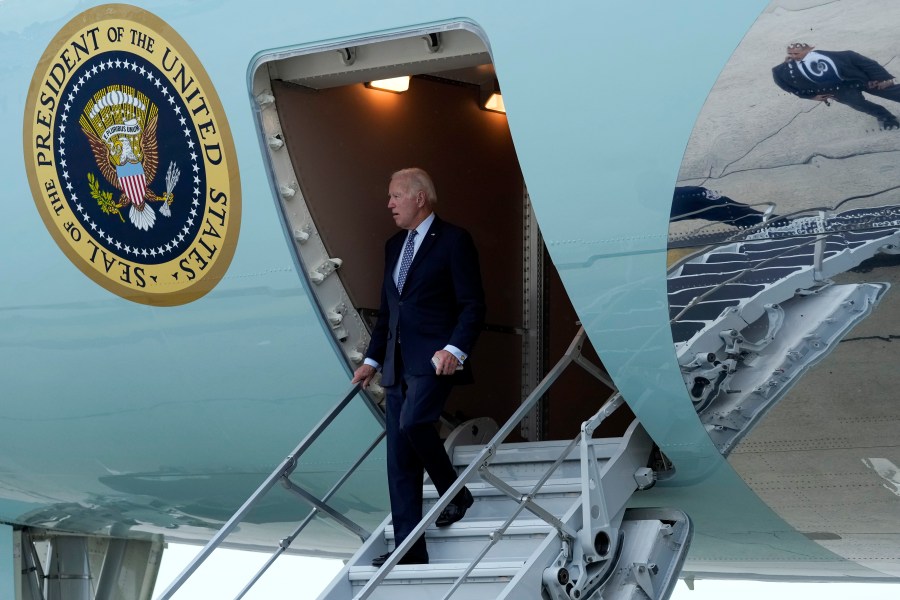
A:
<point x="406" y="560"/>
<point x="456" y="510"/>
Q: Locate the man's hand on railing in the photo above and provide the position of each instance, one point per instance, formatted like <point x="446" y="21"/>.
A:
<point x="363" y="375"/>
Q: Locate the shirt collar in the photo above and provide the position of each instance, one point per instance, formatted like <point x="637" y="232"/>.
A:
<point x="424" y="226"/>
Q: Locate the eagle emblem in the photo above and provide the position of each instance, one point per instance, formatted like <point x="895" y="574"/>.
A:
<point x="120" y="125"/>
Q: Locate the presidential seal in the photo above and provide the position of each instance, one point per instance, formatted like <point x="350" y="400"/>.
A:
<point x="130" y="157"/>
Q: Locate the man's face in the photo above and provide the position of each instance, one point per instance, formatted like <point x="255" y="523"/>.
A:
<point x="798" y="53"/>
<point x="406" y="206"/>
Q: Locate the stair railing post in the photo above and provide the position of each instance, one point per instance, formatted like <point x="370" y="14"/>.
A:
<point x="597" y="538"/>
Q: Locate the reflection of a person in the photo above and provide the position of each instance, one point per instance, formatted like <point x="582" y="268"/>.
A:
<point x="432" y="309"/>
<point x="695" y="202"/>
<point x="842" y="76"/>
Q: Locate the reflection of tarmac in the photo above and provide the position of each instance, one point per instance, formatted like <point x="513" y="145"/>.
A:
<point x="749" y="317"/>
<point x="754" y="141"/>
<point x="810" y="457"/>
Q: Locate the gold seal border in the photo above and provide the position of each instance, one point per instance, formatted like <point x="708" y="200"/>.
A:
<point x="209" y="279"/>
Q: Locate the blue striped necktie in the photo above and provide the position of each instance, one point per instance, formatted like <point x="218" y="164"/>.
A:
<point x="407" y="258"/>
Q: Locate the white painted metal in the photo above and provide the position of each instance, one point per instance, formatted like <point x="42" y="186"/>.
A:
<point x="69" y="572"/>
<point x="521" y="550"/>
<point x="580" y="496"/>
<point x="762" y="377"/>
<point x="54" y="566"/>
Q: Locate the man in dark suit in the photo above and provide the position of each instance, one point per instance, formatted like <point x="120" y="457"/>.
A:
<point x="841" y="76"/>
<point x="432" y="309"/>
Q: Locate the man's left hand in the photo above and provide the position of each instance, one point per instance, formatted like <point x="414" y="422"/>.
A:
<point x="363" y="375"/>
<point x="444" y="363"/>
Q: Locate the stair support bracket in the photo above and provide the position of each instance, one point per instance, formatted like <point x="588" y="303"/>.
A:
<point x="606" y="487"/>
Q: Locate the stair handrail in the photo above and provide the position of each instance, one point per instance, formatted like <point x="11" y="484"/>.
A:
<point x="482" y="460"/>
<point x="286" y="542"/>
<point x="284" y="469"/>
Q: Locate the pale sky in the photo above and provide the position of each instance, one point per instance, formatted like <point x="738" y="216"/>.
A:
<point x="298" y="578"/>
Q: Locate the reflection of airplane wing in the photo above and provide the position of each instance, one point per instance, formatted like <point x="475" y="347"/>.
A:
<point x="749" y="318"/>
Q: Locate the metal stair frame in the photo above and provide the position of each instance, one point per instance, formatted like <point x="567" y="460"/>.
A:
<point x="590" y="552"/>
<point x="570" y="562"/>
<point x="591" y="501"/>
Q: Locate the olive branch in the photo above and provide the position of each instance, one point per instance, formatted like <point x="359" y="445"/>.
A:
<point x="104" y="199"/>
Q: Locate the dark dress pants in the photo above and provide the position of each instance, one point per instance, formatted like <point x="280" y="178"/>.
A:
<point x="414" y="404"/>
<point x="855" y="99"/>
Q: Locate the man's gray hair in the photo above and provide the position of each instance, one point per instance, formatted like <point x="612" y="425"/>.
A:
<point x="418" y="179"/>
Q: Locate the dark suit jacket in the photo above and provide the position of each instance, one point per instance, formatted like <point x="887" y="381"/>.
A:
<point x="855" y="70"/>
<point x="442" y="303"/>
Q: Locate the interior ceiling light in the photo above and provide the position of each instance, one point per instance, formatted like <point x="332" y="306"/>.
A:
<point x="395" y="84"/>
<point x="495" y="103"/>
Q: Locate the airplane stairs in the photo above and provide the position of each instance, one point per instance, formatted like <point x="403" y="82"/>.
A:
<point x="503" y="550"/>
<point x="549" y="519"/>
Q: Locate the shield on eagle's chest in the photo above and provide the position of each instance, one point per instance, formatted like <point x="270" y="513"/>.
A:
<point x="132" y="182"/>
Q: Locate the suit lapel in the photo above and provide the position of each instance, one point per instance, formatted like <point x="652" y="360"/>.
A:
<point x="395" y="247"/>
<point x="427" y="244"/>
<point x="393" y="255"/>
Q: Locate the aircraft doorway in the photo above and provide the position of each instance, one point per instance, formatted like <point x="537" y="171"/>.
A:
<point x="333" y="142"/>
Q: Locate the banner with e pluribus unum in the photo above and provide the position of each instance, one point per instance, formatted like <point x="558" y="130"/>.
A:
<point x="130" y="157"/>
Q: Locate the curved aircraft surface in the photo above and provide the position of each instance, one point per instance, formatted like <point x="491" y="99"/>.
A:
<point x="192" y="250"/>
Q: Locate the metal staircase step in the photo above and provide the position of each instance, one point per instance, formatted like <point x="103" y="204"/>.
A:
<point x="440" y="570"/>
<point x="530" y="460"/>
<point x="465" y="539"/>
<point x="514" y="564"/>
<point x="483" y="527"/>
<point x="432" y="581"/>
<point x="556" y="496"/>
<point x="480" y="489"/>
<point x="533" y="452"/>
